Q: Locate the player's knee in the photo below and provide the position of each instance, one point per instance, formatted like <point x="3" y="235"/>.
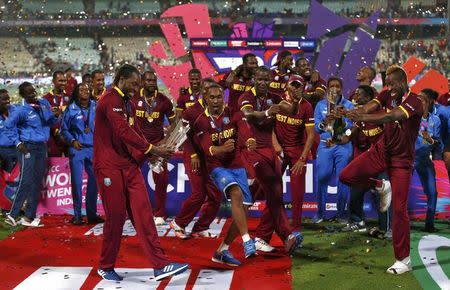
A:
<point x="344" y="176"/>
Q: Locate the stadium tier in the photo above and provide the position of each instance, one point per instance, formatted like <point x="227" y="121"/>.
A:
<point x="78" y="51"/>
<point x="15" y="59"/>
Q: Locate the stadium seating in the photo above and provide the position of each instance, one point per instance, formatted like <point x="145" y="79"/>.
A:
<point x="128" y="49"/>
<point x="53" y="6"/>
<point x="15" y="58"/>
<point x="77" y="51"/>
<point x="133" y="6"/>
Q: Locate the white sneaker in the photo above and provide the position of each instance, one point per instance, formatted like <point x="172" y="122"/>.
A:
<point x="400" y="267"/>
<point x="159" y="221"/>
<point x="179" y="231"/>
<point x="36" y="223"/>
<point x="263" y="246"/>
<point x="10" y="221"/>
<point x="385" y="195"/>
<point x="203" y="234"/>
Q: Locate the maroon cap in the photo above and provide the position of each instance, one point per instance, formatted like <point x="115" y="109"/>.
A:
<point x="296" y="78"/>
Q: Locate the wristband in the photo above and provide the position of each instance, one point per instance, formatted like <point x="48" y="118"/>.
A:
<point x="266" y="112"/>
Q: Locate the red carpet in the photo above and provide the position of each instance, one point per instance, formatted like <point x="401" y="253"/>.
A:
<point x="60" y="244"/>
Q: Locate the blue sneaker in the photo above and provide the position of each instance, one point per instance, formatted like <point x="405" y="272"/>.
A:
<point x="169" y="270"/>
<point x="225" y="257"/>
<point x="293" y="242"/>
<point x="109" y="275"/>
<point x="249" y="248"/>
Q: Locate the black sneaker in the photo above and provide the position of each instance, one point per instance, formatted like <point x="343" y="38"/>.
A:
<point x="355" y="227"/>
<point x="77" y="221"/>
<point x="430" y="229"/>
<point x="96" y="220"/>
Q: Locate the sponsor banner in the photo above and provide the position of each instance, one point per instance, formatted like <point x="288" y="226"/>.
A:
<point x="258" y="44"/>
<point x="273" y="43"/>
<point x="56" y="195"/>
<point x="214" y="20"/>
<point x="218" y="43"/>
<point x="295" y="44"/>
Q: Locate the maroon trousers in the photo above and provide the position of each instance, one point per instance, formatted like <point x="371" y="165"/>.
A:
<point x="204" y="196"/>
<point x="264" y="161"/>
<point x="315" y="145"/>
<point x="161" y="182"/>
<point x="123" y="191"/>
<point x="297" y="184"/>
<point x="362" y="171"/>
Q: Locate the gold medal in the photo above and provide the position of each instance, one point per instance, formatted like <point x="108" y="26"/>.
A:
<point x="131" y="121"/>
<point x="87" y="130"/>
<point x="150" y="119"/>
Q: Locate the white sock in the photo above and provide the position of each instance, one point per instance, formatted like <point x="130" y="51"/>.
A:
<point x="406" y="260"/>
<point x="223" y="247"/>
<point x="246" y="238"/>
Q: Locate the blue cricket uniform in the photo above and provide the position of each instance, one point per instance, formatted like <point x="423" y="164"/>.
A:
<point x="331" y="159"/>
<point x="8" y="152"/>
<point x="443" y="113"/>
<point x="424" y="166"/>
<point x="32" y="122"/>
<point x="78" y="124"/>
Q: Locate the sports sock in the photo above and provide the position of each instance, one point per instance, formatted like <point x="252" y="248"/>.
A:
<point x="223" y="247"/>
<point x="246" y="238"/>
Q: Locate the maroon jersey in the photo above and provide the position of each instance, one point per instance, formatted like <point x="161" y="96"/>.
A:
<point x="237" y="88"/>
<point x="115" y="139"/>
<point x="290" y="129"/>
<point x="351" y="98"/>
<point x="56" y="144"/>
<point x="310" y="87"/>
<point x="187" y="99"/>
<point x="212" y="131"/>
<point x="60" y="101"/>
<point x="399" y="137"/>
<point x="444" y="99"/>
<point x="71" y="84"/>
<point x="368" y="134"/>
<point x="150" y="115"/>
<point x="279" y="82"/>
<point x="263" y="130"/>
<point x="190" y="146"/>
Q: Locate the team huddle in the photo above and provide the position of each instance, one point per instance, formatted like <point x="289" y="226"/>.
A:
<point x="238" y="145"/>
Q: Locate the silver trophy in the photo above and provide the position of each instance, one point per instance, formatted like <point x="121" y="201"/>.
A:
<point x="174" y="141"/>
<point x="332" y="97"/>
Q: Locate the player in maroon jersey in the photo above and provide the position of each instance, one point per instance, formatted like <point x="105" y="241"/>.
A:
<point x="58" y="99"/>
<point x="280" y="75"/>
<point x="260" y="106"/>
<point x="444" y="99"/>
<point x="363" y="135"/>
<point x="394" y="153"/>
<point x="188" y="97"/>
<point x="120" y="180"/>
<point x="365" y="77"/>
<point x="151" y="108"/>
<point x="98" y="84"/>
<point x="71" y="81"/>
<point x="239" y="80"/>
<point x="315" y="89"/>
<point x="294" y="132"/>
<point x="204" y="194"/>
<point x="217" y="130"/>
